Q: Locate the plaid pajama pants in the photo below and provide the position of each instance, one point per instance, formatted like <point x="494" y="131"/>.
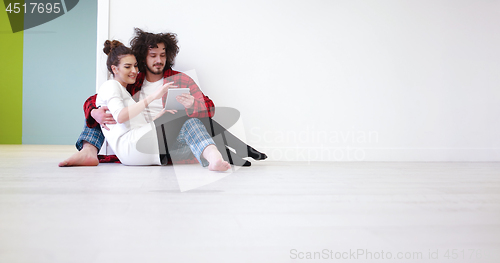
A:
<point x="193" y="138"/>
<point x="93" y="136"/>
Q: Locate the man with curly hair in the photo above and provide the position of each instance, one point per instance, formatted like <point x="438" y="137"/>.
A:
<point x="155" y="54"/>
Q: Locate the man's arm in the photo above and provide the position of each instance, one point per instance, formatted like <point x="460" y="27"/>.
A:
<point x="95" y="116"/>
<point x="88" y="106"/>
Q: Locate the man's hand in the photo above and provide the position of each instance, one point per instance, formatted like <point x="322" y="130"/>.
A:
<point x="186" y="99"/>
<point x="103" y="118"/>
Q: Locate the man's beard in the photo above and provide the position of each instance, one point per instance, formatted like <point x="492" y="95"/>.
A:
<point x="157" y="72"/>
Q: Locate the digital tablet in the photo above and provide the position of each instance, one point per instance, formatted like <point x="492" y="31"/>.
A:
<point x="171" y="103"/>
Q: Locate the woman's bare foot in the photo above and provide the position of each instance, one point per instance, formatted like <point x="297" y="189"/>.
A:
<point x="86" y="157"/>
<point x="214" y="158"/>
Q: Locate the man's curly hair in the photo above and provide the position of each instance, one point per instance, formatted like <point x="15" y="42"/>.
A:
<point x="143" y="41"/>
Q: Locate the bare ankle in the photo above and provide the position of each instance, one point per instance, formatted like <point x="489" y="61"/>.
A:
<point x="90" y="148"/>
<point x="211" y="153"/>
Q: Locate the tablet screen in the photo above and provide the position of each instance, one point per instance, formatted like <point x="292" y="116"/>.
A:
<point x="171" y="103"/>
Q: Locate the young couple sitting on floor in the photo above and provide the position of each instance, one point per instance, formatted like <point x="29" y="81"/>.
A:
<point x="128" y="112"/>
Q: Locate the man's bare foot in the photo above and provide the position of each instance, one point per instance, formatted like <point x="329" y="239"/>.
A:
<point x="214" y="158"/>
<point x="219" y="165"/>
<point x="86" y="157"/>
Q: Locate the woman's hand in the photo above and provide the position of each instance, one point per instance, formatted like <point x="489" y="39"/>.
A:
<point x="163" y="112"/>
<point x="163" y="90"/>
<point x="101" y="116"/>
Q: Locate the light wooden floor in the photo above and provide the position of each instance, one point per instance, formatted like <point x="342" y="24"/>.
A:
<point x="270" y="212"/>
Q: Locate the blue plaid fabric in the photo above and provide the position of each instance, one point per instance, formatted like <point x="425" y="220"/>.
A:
<point x="192" y="140"/>
<point x="93" y="136"/>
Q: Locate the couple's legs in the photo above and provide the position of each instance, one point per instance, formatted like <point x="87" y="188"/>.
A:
<point x="88" y="144"/>
<point x="91" y="139"/>
<point x="189" y="132"/>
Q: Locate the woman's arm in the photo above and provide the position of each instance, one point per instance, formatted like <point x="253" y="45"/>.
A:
<point x="130" y="112"/>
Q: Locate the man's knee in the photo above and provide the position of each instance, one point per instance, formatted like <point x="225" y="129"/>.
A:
<point x="193" y="121"/>
<point x="205" y="122"/>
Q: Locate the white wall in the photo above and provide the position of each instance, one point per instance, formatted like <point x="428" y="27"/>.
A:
<point x="342" y="80"/>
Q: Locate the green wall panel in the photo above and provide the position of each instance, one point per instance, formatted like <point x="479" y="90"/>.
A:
<point x="11" y="85"/>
